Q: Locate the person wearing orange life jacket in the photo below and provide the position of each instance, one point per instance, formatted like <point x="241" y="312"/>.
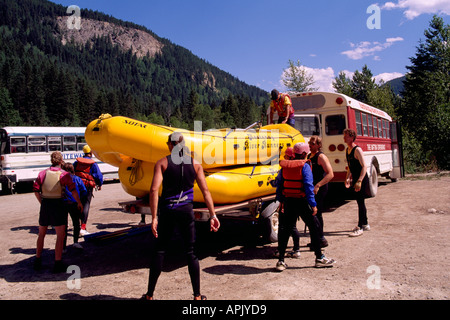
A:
<point x="295" y="192"/>
<point x="87" y="169"/>
<point x="282" y="104"/>
<point x="49" y="191"/>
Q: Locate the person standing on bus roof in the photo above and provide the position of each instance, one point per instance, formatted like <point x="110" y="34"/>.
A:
<point x="282" y="104"/>
<point x="49" y="190"/>
<point x="357" y="171"/>
<point x="177" y="173"/>
<point x="87" y="169"/>
<point x="322" y="174"/>
<point x="295" y="191"/>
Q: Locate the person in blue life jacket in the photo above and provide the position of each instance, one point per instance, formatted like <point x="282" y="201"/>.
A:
<point x="75" y="214"/>
<point x="87" y="169"/>
<point x="295" y="192"/>
<point x="174" y="209"/>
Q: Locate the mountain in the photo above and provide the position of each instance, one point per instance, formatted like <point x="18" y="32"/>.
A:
<point x="397" y="85"/>
<point x="53" y="73"/>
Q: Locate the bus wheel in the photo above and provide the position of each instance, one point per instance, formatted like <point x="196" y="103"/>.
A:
<point x="271" y="222"/>
<point x="373" y="181"/>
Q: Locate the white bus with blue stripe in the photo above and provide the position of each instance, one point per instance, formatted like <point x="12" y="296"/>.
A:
<point x="25" y="151"/>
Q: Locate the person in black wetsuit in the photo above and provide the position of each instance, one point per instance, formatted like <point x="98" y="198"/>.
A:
<point x="177" y="173"/>
<point x="357" y="178"/>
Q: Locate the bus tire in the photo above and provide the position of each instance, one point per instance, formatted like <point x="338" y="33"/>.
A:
<point x="270" y="219"/>
<point x="373" y="181"/>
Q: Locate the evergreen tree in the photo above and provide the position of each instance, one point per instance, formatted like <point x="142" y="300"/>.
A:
<point x="425" y="111"/>
<point x="362" y="83"/>
<point x="343" y="84"/>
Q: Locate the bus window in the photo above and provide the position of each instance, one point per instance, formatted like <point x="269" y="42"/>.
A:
<point x="307" y="125"/>
<point x="386" y="129"/>
<point x="81" y="142"/>
<point x="37" y="144"/>
<point x="380" y="129"/>
<point x="375" y="127"/>
<point x="364" y="122"/>
<point x="370" y="125"/>
<point x="70" y="143"/>
<point x="54" y="144"/>
<point x="18" y="145"/>
<point x="358" y="123"/>
<point x="335" y="125"/>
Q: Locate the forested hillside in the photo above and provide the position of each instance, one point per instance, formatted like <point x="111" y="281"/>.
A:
<point x="50" y="77"/>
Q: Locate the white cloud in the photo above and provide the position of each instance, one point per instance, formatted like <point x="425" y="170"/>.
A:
<point x="367" y="48"/>
<point x="414" y="8"/>
<point x="387" y="76"/>
<point x="324" y="78"/>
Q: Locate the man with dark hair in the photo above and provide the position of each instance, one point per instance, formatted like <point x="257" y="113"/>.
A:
<point x="177" y="173"/>
<point x="281" y="104"/>
<point x="356" y="177"/>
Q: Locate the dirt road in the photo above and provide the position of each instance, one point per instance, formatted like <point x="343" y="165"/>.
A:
<point x="405" y="255"/>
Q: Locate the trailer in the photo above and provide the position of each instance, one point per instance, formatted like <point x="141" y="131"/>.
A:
<point x="262" y="211"/>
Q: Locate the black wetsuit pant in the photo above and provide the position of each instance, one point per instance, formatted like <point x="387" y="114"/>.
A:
<point x="293" y="208"/>
<point x="181" y="219"/>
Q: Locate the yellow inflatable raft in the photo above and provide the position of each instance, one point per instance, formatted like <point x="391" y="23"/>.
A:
<point x="227" y="185"/>
<point x="112" y="137"/>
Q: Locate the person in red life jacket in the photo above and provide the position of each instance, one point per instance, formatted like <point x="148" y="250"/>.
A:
<point x="322" y="175"/>
<point x="177" y="173"/>
<point x="49" y="191"/>
<point x="295" y="253"/>
<point x="281" y="104"/>
<point x="356" y="177"/>
<point x="87" y="169"/>
<point x="295" y="191"/>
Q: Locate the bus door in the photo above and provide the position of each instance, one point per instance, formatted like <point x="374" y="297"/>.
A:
<point x="397" y="152"/>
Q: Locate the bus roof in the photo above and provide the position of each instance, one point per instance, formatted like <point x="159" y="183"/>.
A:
<point x="311" y="101"/>
<point x="44" y="130"/>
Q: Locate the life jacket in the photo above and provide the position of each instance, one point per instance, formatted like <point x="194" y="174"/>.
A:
<point x="282" y="109"/>
<point x="51" y="187"/>
<point x="293" y="178"/>
<point x="83" y="169"/>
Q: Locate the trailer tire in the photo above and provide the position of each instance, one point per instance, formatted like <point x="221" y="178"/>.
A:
<point x="270" y="219"/>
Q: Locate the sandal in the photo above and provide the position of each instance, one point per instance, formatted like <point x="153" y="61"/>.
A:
<point x="202" y="297"/>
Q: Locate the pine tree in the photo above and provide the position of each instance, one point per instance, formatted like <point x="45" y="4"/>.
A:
<point x="426" y="109"/>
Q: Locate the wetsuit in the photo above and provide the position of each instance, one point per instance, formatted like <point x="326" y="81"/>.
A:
<point x="175" y="213"/>
<point x="355" y="169"/>
<point x="318" y="174"/>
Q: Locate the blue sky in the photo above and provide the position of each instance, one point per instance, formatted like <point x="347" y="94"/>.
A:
<point x="254" y="39"/>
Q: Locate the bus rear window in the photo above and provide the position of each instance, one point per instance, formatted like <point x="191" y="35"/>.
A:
<point x="308" y="126"/>
<point x="335" y="125"/>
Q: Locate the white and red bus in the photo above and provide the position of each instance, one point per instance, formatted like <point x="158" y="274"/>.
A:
<point x="25" y="151"/>
<point x="377" y="133"/>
